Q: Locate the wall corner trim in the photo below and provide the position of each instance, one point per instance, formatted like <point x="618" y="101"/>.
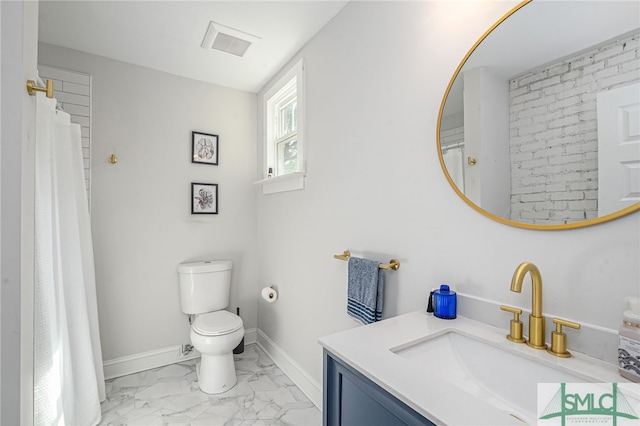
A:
<point x="310" y="387"/>
<point x="157" y="358"/>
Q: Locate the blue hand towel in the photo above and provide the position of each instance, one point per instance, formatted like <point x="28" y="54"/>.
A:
<point x="365" y="290"/>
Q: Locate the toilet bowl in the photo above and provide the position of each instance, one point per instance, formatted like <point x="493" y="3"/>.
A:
<point x="215" y="332"/>
<point x="215" y="335"/>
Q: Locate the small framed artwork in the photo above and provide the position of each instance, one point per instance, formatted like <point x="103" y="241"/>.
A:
<point x="204" y="198"/>
<point x="204" y="148"/>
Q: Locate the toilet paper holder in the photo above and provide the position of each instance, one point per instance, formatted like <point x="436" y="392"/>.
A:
<point x="270" y="294"/>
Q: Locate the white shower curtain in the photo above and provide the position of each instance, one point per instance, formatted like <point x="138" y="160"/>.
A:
<point x="453" y="160"/>
<point x="68" y="375"/>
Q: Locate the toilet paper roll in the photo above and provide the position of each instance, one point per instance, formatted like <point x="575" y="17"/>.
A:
<point x="269" y="294"/>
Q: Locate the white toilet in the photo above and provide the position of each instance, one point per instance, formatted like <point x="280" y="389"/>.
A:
<point x="215" y="332"/>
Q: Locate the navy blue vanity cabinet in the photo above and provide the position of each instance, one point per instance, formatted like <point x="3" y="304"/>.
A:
<point x="350" y="399"/>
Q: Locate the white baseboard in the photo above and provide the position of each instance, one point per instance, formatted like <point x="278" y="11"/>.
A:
<point x="145" y="361"/>
<point x="153" y="359"/>
<point x="311" y="388"/>
<point x="250" y="336"/>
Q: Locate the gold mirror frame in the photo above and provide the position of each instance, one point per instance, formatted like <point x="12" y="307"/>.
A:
<point x="582" y="224"/>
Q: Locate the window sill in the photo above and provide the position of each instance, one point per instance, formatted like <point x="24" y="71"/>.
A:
<point x="289" y="182"/>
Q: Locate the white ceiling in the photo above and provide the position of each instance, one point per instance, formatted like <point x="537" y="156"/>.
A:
<point x="166" y="35"/>
<point x="542" y="32"/>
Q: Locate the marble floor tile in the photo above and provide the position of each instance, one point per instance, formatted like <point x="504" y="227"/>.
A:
<point x="170" y="396"/>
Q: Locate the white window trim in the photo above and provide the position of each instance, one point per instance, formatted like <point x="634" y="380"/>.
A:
<point x="293" y="180"/>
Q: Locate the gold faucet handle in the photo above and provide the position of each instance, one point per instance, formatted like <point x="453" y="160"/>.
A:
<point x="559" y="338"/>
<point x="515" y="329"/>
<point x="560" y="322"/>
<point x="515" y="311"/>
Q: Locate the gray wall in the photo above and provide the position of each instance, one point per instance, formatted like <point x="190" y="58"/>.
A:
<point x="141" y="217"/>
<point x="376" y="75"/>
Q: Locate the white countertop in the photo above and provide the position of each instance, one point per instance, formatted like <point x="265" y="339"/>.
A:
<point x="368" y="350"/>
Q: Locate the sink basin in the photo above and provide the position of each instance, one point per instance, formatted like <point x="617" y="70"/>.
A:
<point x="465" y="372"/>
<point x="497" y="375"/>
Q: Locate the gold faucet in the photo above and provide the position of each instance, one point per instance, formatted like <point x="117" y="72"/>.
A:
<point x="536" y="320"/>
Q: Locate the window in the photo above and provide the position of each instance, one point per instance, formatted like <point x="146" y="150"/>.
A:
<point x="284" y="124"/>
<point x="283" y="112"/>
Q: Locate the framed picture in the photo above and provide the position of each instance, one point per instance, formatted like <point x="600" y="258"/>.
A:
<point x="204" y="198"/>
<point x="204" y="148"/>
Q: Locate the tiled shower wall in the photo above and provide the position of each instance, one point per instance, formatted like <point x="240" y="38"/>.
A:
<point x="554" y="136"/>
<point x="73" y="92"/>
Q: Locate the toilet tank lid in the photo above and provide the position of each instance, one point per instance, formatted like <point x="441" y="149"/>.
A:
<point x="204" y="266"/>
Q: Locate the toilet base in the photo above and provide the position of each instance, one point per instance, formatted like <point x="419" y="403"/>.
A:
<point x="216" y="373"/>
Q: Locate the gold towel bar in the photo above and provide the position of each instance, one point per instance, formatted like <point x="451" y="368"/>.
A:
<point x="393" y="263"/>
<point x="32" y="88"/>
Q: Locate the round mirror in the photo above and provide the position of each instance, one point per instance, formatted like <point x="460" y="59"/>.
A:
<point x="540" y="125"/>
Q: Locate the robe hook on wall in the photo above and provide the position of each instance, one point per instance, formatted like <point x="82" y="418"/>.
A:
<point x="113" y="159"/>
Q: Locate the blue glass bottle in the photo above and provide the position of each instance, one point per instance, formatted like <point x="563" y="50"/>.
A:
<point x="444" y="302"/>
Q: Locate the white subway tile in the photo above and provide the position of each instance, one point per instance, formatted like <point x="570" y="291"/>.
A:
<point x="71" y="98"/>
<point x="78" y="89"/>
<point x="64" y="75"/>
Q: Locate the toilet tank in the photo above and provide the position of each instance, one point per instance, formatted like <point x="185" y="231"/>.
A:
<point x="204" y="285"/>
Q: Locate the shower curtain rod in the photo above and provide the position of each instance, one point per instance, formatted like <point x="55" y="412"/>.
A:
<point x="32" y="87"/>
<point x="453" y="145"/>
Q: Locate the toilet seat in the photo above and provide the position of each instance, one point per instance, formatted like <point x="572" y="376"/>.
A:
<point x="217" y="323"/>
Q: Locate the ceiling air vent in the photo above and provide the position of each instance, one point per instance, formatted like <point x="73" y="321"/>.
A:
<point x="227" y="40"/>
